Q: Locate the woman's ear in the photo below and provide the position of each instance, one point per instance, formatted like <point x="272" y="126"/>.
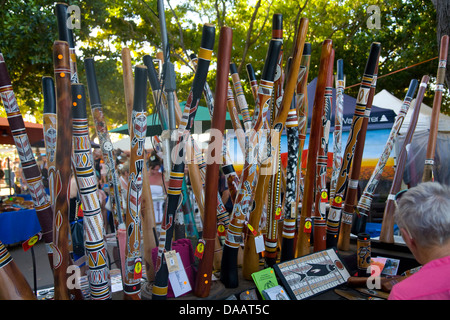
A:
<point x="410" y="242"/>
<point x="406" y="236"/>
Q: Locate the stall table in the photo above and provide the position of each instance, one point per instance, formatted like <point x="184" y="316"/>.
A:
<point x="18" y="226"/>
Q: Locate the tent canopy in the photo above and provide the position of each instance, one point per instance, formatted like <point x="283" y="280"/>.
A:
<point x="202" y="122"/>
<point x="380" y="118"/>
<point x="387" y="100"/>
<point x="34" y="130"/>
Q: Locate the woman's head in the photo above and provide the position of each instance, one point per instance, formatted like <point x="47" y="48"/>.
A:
<point x="154" y="163"/>
<point x="424" y="212"/>
<point x="124" y="168"/>
<point x="154" y="167"/>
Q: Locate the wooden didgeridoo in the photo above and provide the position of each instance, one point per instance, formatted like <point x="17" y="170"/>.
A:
<point x="334" y="215"/>
<point x="321" y="194"/>
<point x="229" y="265"/>
<point x="105" y="142"/>
<point x="30" y="168"/>
<point x="13" y="285"/>
<point x="434" y="124"/>
<point x="337" y="133"/>
<point x="304" y="227"/>
<point x="362" y="210"/>
<point x="302" y="118"/>
<point x="252" y="79"/>
<point x="251" y="258"/>
<point x="63" y="167"/>
<point x="66" y="34"/>
<point x="273" y="190"/>
<point x="160" y="287"/>
<point x="387" y="226"/>
<point x="50" y="127"/>
<point x="147" y="211"/>
<point x="138" y="130"/>
<point x="203" y="280"/>
<point x="352" y="189"/>
<point x="94" y="237"/>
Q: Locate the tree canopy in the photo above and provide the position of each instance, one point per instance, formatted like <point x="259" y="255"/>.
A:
<point x="407" y="33"/>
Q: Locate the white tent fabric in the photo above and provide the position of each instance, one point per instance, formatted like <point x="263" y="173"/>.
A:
<point x="418" y="146"/>
<point x="385" y="99"/>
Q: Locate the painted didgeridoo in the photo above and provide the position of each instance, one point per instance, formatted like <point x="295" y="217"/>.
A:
<point x="252" y="79"/>
<point x="302" y="115"/>
<point x="293" y="187"/>
<point x="50" y="127"/>
<point x="31" y="171"/>
<point x="13" y="285"/>
<point x="66" y="34"/>
<point x="147" y="213"/>
<point x="63" y="168"/>
<point x="159" y="290"/>
<point x="205" y="267"/>
<point x="240" y="97"/>
<point x="304" y="226"/>
<point x="138" y="130"/>
<point x="273" y="191"/>
<point x="229" y="267"/>
<point x="387" y="226"/>
<point x="352" y="189"/>
<point x="434" y="123"/>
<point x="334" y="215"/>
<point x="105" y="141"/>
<point x="337" y="133"/>
<point x="365" y="201"/>
<point x="319" y="217"/>
<point x="97" y="258"/>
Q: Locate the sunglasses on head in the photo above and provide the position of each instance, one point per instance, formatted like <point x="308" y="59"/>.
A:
<point x="398" y="196"/>
<point x="396" y="199"/>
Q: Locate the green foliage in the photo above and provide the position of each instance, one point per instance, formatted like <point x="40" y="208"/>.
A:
<point x="28" y="30"/>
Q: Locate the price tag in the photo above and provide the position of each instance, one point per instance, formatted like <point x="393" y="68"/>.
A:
<point x="278" y="213"/>
<point x="31" y="241"/>
<point x="259" y="243"/>
<point x="171" y="261"/>
<point x="337" y="202"/>
<point x="200" y="249"/>
<point x="179" y="280"/>
<point x="324" y="196"/>
<point x="252" y="230"/>
<point x="221" y="229"/>
<point x="308" y="225"/>
<point x="137" y="269"/>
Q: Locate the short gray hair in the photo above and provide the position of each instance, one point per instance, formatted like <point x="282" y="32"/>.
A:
<point x="424" y="211"/>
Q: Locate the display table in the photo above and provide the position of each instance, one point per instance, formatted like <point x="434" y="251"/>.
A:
<point x="18" y="226"/>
